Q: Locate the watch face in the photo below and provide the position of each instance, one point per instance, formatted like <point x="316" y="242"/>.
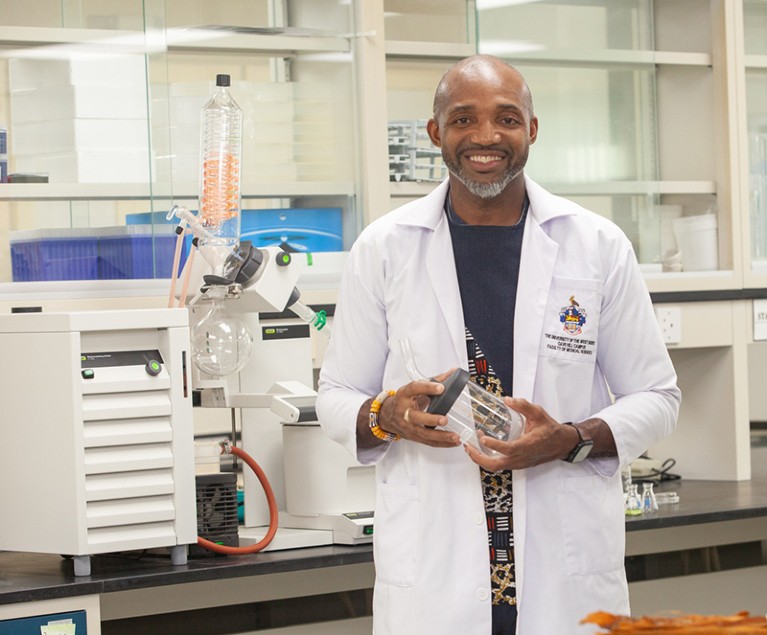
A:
<point x="582" y="452"/>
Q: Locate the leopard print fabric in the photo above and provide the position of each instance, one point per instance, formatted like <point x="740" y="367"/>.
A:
<point x="496" y="487"/>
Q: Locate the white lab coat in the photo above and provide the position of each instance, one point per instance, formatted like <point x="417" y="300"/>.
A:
<point x="430" y="547"/>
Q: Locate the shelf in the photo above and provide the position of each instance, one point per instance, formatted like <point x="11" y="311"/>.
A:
<point x="692" y="281"/>
<point x="274" y="42"/>
<point x="641" y="188"/>
<point x="426" y="50"/>
<point x="122" y="41"/>
<point x="599" y="57"/>
<point x="142" y="191"/>
<point x="756" y="61"/>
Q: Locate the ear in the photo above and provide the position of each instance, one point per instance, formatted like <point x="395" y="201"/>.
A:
<point x="533" y="129"/>
<point x="432" y="127"/>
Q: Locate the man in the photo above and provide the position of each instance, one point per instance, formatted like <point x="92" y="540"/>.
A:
<point x="537" y="298"/>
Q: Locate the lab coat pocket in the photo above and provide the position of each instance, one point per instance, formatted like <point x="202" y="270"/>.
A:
<point x="592" y="522"/>
<point x="397" y="520"/>
<point x="571" y="322"/>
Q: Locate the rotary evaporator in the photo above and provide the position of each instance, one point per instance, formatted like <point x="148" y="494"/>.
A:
<point x="251" y="348"/>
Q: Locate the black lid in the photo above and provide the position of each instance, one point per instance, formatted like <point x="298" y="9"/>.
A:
<point x="454" y="385"/>
<point x="223" y="80"/>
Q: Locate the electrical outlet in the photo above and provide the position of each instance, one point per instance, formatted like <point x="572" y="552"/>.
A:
<point x="670" y="321"/>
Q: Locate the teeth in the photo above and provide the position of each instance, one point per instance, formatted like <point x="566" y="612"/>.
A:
<point x="482" y="159"/>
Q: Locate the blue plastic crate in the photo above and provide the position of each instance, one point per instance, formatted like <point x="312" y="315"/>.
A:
<point x="139" y="252"/>
<point x="54" y="254"/>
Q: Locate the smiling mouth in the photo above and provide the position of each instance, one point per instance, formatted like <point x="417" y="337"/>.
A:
<point x="485" y="156"/>
<point x="482" y="158"/>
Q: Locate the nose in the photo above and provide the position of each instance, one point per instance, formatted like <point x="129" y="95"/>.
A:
<point x="486" y="133"/>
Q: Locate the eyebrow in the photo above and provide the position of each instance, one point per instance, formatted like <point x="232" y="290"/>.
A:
<point x="500" y="108"/>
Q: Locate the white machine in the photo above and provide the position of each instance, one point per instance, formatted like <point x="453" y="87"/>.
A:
<point x="96" y="437"/>
<point x="325" y="488"/>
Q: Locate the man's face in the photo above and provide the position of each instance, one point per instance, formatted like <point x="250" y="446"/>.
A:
<point x="485" y="129"/>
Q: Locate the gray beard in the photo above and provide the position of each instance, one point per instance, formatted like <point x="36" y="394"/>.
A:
<point x="485" y="190"/>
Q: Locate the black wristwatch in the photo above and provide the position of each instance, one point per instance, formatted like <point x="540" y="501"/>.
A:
<point x="582" y="449"/>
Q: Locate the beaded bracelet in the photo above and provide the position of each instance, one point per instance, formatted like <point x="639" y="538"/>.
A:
<point x="375" y="408"/>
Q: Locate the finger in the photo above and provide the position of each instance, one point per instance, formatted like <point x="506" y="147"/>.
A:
<point x="427" y="428"/>
<point x="493" y="444"/>
<point x="492" y="464"/>
<point x="443" y="376"/>
<point x="523" y="406"/>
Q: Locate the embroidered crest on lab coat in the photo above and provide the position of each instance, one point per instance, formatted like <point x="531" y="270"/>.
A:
<point x="573" y="317"/>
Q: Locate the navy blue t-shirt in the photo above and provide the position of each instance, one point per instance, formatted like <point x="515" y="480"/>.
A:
<point x="487" y="262"/>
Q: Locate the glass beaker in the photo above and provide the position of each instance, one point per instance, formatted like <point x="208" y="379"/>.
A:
<point x="469" y="408"/>
<point x="649" y="503"/>
<point x="633" y="501"/>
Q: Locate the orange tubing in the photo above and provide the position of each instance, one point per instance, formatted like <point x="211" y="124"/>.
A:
<point x="174" y="271"/>
<point x="187" y="275"/>
<point x="261" y="544"/>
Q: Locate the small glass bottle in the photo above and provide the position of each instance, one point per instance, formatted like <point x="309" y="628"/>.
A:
<point x="649" y="503"/>
<point x="633" y="502"/>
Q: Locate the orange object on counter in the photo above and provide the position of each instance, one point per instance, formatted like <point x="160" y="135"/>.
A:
<point x="741" y="623"/>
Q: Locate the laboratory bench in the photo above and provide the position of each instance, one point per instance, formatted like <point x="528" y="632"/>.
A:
<point x="714" y="538"/>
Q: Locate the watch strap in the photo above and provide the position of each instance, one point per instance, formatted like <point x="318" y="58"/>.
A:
<point x="582" y="449"/>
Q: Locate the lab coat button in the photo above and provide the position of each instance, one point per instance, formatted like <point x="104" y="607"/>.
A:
<point x="479" y="519"/>
<point x="482" y="594"/>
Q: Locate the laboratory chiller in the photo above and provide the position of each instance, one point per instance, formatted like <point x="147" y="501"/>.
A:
<point x="96" y="436"/>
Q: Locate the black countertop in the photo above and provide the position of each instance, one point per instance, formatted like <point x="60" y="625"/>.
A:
<point x="26" y="577"/>
<point x="705" y="502"/>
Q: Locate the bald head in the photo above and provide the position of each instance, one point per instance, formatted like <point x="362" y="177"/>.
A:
<point x="479" y="68"/>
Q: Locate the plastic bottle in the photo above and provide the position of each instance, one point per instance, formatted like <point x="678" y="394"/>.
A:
<point x="220" y="170"/>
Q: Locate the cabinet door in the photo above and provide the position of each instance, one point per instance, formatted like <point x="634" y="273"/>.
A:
<point x="423" y="40"/>
<point x="101" y="109"/>
<point x="625" y="94"/>
<point x="755" y="44"/>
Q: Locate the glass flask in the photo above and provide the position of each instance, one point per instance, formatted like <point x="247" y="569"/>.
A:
<point x="649" y="503"/>
<point x="469" y="408"/>
<point x="221" y="342"/>
<point x="220" y="171"/>
<point x="633" y="501"/>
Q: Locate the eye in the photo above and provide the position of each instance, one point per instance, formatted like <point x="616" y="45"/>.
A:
<point x="462" y="121"/>
<point x="510" y="120"/>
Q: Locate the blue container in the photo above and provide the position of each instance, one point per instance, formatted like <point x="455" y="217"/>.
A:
<point x="139" y="252"/>
<point x="301" y="229"/>
<point x="54" y="254"/>
<point x="298" y="229"/>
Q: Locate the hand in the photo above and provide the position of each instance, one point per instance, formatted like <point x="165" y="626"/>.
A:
<point x="403" y="414"/>
<point x="544" y="439"/>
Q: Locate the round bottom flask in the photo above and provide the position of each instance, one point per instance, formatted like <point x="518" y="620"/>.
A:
<point x="221" y="342"/>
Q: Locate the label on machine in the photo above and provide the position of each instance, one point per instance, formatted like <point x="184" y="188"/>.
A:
<point x="119" y="358"/>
